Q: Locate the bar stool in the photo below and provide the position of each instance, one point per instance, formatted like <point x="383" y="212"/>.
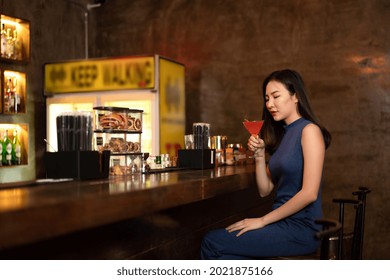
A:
<point x="355" y="252"/>
<point x="330" y="228"/>
<point x="335" y="233"/>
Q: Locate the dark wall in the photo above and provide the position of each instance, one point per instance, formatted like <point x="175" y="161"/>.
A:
<point x="340" y="47"/>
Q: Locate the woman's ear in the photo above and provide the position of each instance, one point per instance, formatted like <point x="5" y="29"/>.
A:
<point x="295" y="98"/>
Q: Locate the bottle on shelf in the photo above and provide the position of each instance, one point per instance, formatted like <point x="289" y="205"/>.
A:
<point x="17" y="46"/>
<point x="16" y="154"/>
<point x="7" y="150"/>
<point x="3" y="41"/>
<point x="16" y="97"/>
<point x="9" y="98"/>
<point x="10" y="49"/>
<point x="1" y="148"/>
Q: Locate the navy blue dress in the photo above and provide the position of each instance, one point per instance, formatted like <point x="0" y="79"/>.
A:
<point x="294" y="235"/>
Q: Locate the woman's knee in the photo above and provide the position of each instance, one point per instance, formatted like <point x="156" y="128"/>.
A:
<point x="209" y="246"/>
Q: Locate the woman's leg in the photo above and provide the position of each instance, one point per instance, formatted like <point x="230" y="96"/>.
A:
<point x="279" y="239"/>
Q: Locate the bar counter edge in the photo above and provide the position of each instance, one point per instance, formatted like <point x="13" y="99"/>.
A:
<point x="49" y="213"/>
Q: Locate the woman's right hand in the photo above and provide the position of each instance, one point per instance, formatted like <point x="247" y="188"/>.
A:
<point x="256" y="145"/>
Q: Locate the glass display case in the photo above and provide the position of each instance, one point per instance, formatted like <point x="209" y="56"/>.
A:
<point x="119" y="131"/>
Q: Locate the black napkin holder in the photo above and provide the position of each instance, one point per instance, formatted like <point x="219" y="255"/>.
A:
<point x="80" y="165"/>
<point x="196" y="158"/>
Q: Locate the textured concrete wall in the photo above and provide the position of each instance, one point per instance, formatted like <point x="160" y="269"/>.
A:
<point x="340" y="47"/>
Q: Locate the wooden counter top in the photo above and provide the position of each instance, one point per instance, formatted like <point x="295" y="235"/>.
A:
<point x="38" y="212"/>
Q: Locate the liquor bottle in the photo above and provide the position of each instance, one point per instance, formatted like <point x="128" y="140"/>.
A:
<point x="1" y="148"/>
<point x="9" y="101"/>
<point x="16" y="101"/>
<point x="16" y="153"/>
<point x="7" y="150"/>
<point x="10" y="49"/>
<point x="17" y="46"/>
<point x="3" y="41"/>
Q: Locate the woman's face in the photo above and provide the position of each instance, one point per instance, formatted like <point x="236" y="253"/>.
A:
<point x="281" y="105"/>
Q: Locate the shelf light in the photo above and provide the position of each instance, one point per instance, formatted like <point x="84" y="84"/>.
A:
<point x="8" y="126"/>
<point x="13" y="126"/>
<point x="10" y="74"/>
<point x="10" y="22"/>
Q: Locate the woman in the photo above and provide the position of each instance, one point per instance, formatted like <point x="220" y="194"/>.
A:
<point x="296" y="143"/>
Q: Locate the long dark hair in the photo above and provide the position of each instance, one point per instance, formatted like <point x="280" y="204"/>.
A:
<point x="272" y="131"/>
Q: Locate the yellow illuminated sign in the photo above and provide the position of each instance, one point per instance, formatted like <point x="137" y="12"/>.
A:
<point x="172" y="107"/>
<point x="100" y="75"/>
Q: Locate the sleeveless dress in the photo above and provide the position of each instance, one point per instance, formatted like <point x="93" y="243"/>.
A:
<point x="294" y="235"/>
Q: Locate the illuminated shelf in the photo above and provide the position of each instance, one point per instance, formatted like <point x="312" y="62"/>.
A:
<point x="15" y="46"/>
<point x="15" y="53"/>
<point x="13" y="92"/>
<point x="22" y="132"/>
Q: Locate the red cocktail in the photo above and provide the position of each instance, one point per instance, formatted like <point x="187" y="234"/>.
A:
<point x="253" y="127"/>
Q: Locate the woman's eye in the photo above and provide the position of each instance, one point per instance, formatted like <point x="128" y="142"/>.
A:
<point x="276" y="96"/>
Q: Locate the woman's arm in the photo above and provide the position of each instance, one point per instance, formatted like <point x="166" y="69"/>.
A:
<point x="313" y="148"/>
<point x="263" y="176"/>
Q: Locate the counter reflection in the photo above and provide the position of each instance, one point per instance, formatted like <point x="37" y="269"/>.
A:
<point x="136" y="182"/>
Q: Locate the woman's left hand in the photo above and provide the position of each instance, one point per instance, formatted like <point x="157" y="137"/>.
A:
<point x="246" y="225"/>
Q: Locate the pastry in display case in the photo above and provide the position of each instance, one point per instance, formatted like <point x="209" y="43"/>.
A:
<point x="118" y="119"/>
<point x="119" y="131"/>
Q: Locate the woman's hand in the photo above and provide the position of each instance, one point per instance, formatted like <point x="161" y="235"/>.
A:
<point x="256" y="145"/>
<point x="246" y="225"/>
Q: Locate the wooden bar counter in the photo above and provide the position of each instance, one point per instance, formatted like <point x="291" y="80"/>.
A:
<point x="146" y="216"/>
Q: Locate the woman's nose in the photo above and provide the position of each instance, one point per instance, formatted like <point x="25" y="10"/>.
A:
<point x="269" y="104"/>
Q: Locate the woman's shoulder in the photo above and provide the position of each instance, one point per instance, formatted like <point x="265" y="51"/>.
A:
<point x="313" y="129"/>
<point x="311" y="132"/>
<point x="310" y="127"/>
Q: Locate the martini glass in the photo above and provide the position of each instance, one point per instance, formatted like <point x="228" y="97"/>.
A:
<point x="253" y="127"/>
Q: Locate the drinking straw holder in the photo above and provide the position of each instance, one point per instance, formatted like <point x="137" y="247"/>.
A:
<point x="196" y="159"/>
<point x="74" y="131"/>
<point x="201" y="132"/>
<point x="79" y="165"/>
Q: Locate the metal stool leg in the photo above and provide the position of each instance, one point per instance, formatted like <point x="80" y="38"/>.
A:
<point x="357" y="249"/>
<point x="342" y="202"/>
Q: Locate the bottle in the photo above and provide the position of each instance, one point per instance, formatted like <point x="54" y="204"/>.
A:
<point x="1" y="148"/>
<point x="3" y="41"/>
<point x="15" y="102"/>
<point x="158" y="162"/>
<point x="9" y="101"/>
<point x="10" y="49"/>
<point x="7" y="150"/>
<point x="17" y="46"/>
<point x="16" y="154"/>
